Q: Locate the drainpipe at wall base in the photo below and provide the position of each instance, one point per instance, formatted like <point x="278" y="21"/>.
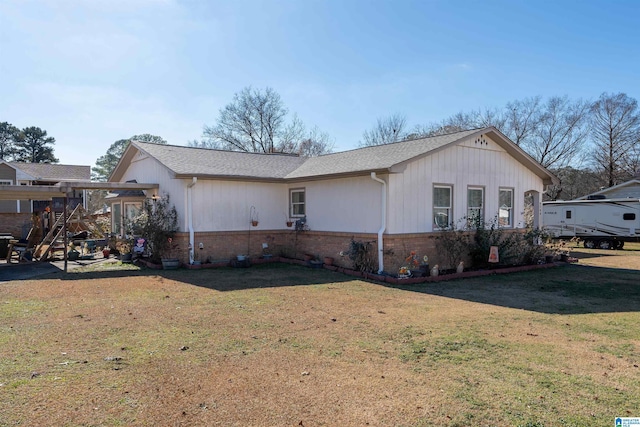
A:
<point x="190" y="217"/>
<point x="383" y="222"/>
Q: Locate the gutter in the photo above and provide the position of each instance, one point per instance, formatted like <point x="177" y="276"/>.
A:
<point x="383" y="222"/>
<point x="194" y="180"/>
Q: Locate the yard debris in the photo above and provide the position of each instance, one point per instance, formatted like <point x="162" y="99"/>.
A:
<point x="184" y="348"/>
<point x="113" y="359"/>
<point x="305" y="373"/>
<point x="35" y="374"/>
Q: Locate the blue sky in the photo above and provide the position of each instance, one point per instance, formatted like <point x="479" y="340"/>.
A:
<point x="92" y="72"/>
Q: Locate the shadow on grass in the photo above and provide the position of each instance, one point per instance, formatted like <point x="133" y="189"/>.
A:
<point x="225" y="278"/>
<point x="570" y="289"/>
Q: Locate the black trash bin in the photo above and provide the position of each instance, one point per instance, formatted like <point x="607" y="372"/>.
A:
<point x="4" y="244"/>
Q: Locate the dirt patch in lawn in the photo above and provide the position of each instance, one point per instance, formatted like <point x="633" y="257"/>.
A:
<point x="279" y="345"/>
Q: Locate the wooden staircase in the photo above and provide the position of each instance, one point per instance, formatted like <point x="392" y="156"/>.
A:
<point x="77" y="220"/>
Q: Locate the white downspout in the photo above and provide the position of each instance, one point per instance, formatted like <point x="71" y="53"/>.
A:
<point x="190" y="217"/>
<point x="383" y="222"/>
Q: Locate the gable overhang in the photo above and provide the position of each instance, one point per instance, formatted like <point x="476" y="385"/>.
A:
<point x="510" y="147"/>
<point x="519" y="154"/>
<point x="125" y="160"/>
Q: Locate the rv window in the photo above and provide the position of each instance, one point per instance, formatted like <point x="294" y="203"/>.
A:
<point x="568" y="214"/>
<point x="629" y="216"/>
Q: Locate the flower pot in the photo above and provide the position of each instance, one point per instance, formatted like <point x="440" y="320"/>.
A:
<point x="241" y="257"/>
<point x="289" y="223"/>
<point x="73" y="255"/>
<point x="308" y="257"/>
<point x="106" y="253"/>
<point x="126" y="257"/>
<point x="254" y="223"/>
<point x="170" y="263"/>
<point x="328" y="260"/>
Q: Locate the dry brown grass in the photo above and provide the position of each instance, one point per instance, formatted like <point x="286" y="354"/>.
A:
<point x="284" y="345"/>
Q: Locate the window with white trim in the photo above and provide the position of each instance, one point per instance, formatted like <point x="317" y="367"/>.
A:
<point x="442" y="206"/>
<point x="475" y="206"/>
<point x="505" y="207"/>
<point x="298" y="202"/>
<point x="6" y="182"/>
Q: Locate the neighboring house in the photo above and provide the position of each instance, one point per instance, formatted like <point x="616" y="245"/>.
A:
<point x="15" y="215"/>
<point x="397" y="196"/>
<point x="16" y="173"/>
<point x="629" y="189"/>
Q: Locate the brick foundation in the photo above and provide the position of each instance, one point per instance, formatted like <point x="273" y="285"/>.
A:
<point x="219" y="246"/>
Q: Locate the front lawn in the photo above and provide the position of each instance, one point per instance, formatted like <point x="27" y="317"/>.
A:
<point x="279" y="345"/>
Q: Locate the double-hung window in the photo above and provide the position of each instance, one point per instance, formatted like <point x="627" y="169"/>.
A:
<point x="442" y="206"/>
<point x="298" y="202"/>
<point x="475" y="206"/>
<point x="505" y="207"/>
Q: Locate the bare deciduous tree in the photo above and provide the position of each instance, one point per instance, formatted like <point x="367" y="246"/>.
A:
<point x="461" y="121"/>
<point x="615" y="130"/>
<point x="559" y="134"/>
<point x="574" y="183"/>
<point x="522" y="118"/>
<point x="386" y="130"/>
<point x="256" y="121"/>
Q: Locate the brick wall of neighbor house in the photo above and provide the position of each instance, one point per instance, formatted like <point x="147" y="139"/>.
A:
<point x="219" y="246"/>
<point x="13" y="222"/>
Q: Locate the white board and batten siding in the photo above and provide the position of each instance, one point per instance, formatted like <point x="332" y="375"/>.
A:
<point x="217" y="205"/>
<point x="343" y="205"/>
<point x="461" y="166"/>
<point x="226" y="205"/>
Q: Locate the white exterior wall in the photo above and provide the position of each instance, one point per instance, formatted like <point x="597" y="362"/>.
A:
<point x="217" y="205"/>
<point x="346" y="204"/>
<point x="226" y="205"/>
<point x="351" y="204"/>
<point x="463" y="165"/>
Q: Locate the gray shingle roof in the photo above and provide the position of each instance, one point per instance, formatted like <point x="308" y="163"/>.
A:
<point x="54" y="172"/>
<point x="207" y="163"/>
<point x="201" y="161"/>
<point x="373" y="158"/>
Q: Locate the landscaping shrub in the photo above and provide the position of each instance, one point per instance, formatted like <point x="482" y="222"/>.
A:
<point x="157" y="222"/>
<point x="362" y="255"/>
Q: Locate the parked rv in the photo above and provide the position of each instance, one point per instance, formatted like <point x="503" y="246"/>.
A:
<point x="600" y="223"/>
